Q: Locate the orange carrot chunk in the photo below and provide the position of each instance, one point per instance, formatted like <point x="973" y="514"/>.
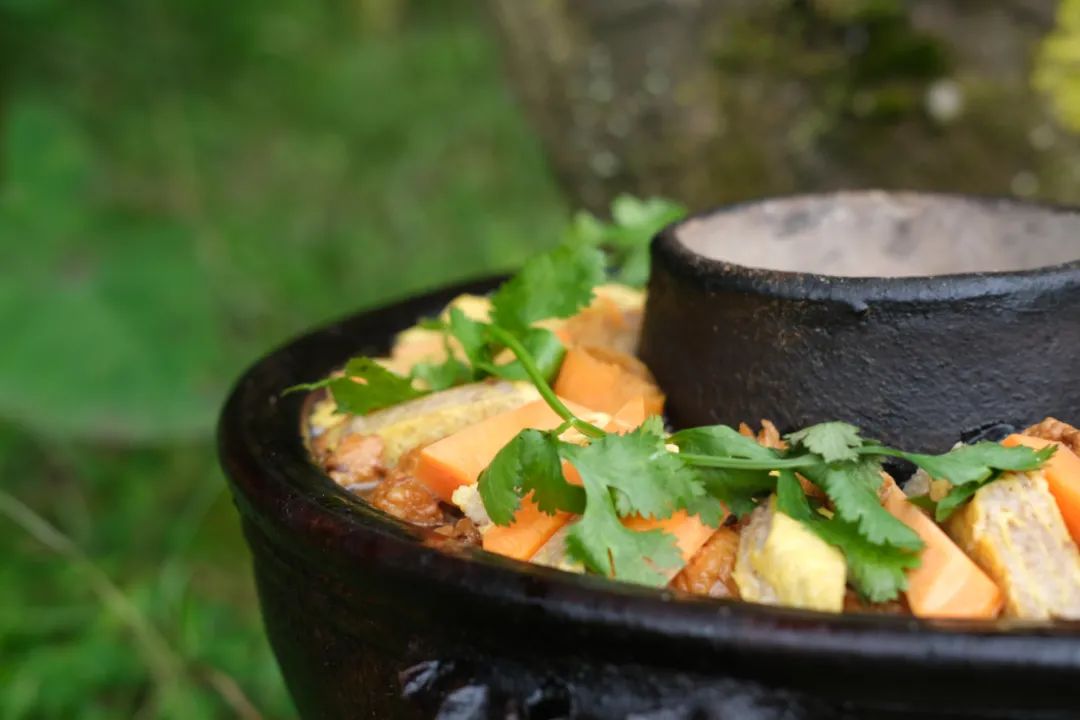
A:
<point x="458" y="460"/>
<point x="630" y="415"/>
<point x="606" y="380"/>
<point x="529" y="531"/>
<point x="1062" y="475"/>
<point x="947" y="583"/>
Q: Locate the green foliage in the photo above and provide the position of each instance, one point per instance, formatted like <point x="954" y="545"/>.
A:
<point x="1057" y="66"/>
<point x="546" y="350"/>
<point x="853" y="488"/>
<point x="969" y="467"/>
<point x="557" y="283"/>
<point x="626" y="238"/>
<point x="738" y="489"/>
<point x="367" y="386"/>
<point x="528" y="464"/>
<point x="182" y="186"/>
<point x="976" y="463"/>
<point x="833" y="441"/>
<point x="607" y="547"/>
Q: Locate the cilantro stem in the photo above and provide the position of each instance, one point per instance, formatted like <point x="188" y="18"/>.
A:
<point x="586" y="428"/>
<point x="733" y="463"/>
<point x="882" y="450"/>
<point x="567" y="424"/>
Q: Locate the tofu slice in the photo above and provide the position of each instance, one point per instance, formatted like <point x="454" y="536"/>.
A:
<point x="424" y="420"/>
<point x="1014" y="531"/>
<point x="781" y="562"/>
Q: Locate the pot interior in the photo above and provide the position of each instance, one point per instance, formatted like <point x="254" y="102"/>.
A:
<point x="877" y="234"/>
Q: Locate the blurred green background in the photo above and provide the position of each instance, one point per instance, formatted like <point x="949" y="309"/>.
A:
<point x="185" y="184"/>
<point x="182" y="186"/>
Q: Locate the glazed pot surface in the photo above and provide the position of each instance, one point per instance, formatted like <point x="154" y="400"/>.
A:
<point x="735" y="333"/>
<point x="369" y="618"/>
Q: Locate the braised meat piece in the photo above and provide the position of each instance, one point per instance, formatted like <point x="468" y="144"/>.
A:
<point x="768" y="436"/>
<point x="408" y="499"/>
<point x="357" y="460"/>
<point x="709" y="572"/>
<point x="463" y="531"/>
<point x="1058" y="431"/>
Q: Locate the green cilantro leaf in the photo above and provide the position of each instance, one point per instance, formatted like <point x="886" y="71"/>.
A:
<point x="529" y="463"/>
<point x="447" y="374"/>
<point x="440" y="376"/>
<point x="380" y="388"/>
<point x="542" y="474"/>
<point x="645" y="217"/>
<point x="958" y="495"/>
<point x="853" y="488"/>
<point x="878" y="572"/>
<point x="431" y="323"/>
<point x="738" y="490"/>
<point x="604" y="545"/>
<point x="555" y="284"/>
<point x="646" y="478"/>
<point x="499" y="484"/>
<point x="833" y="441"/>
<point x="722" y="441"/>
<point x="976" y="463"/>
<point x="547" y="352"/>
<point x="626" y="239"/>
<point x="790" y="498"/>
<point x="924" y="502"/>
<point x="708" y="508"/>
<point x="471" y="335"/>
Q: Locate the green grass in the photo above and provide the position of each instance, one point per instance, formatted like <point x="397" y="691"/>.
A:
<point x="182" y="187"/>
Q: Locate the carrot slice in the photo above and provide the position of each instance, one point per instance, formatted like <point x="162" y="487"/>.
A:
<point x="947" y="583"/>
<point x="458" y="460"/>
<point x="606" y="380"/>
<point x="1062" y="475"/>
<point x="527" y="534"/>
<point x="631" y="415"/>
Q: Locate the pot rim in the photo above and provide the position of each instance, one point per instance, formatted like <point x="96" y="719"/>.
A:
<point x="289" y="499"/>
<point x="859" y="291"/>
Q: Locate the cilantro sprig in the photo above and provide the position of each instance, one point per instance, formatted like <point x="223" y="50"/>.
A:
<point x="622" y="476"/>
<point x="626" y="238"/>
<point x="554" y="284"/>
<point x="364" y="386"/>
<point x="716" y="466"/>
<point x="970" y="467"/>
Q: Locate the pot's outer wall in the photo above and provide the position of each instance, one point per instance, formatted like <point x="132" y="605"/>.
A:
<point x="913" y="362"/>
<point x="367" y="621"/>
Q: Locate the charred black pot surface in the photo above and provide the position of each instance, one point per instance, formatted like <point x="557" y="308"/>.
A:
<point x="779" y="309"/>
<point x="369" y="620"/>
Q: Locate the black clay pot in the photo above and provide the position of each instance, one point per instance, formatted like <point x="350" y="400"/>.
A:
<point x="370" y="619"/>
<point x="916" y="317"/>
